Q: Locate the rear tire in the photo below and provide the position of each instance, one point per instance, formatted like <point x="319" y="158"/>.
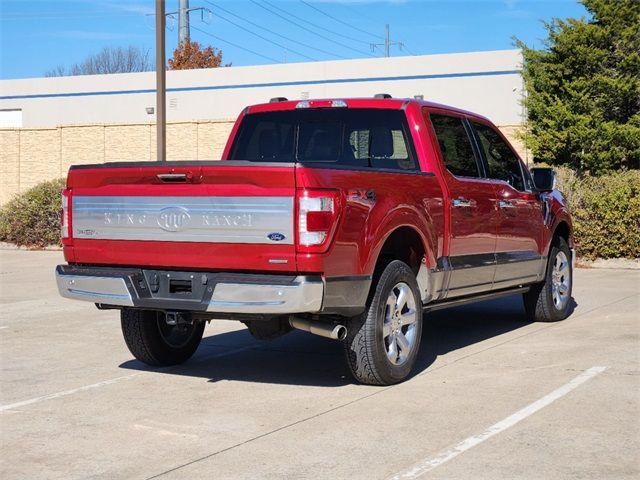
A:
<point x="550" y="301"/>
<point x="152" y="341"/>
<point x="382" y="344"/>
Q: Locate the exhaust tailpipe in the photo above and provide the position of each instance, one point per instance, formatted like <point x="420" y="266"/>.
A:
<point x="323" y="329"/>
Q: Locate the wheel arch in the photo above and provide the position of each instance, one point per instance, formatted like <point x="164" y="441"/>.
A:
<point x="404" y="243"/>
<point x="563" y="230"/>
<point x="410" y="245"/>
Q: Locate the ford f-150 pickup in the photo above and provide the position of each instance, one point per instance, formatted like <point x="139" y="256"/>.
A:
<point x="347" y="218"/>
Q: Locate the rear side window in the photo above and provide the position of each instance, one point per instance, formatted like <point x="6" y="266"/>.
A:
<point x="372" y="138"/>
<point x="455" y="145"/>
<point x="502" y="163"/>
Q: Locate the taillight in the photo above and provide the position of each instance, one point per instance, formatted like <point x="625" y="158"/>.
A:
<point x="65" y="220"/>
<point x="318" y="212"/>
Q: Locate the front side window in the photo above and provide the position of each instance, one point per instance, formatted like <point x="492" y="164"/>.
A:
<point x="373" y="138"/>
<point x="455" y="145"/>
<point x="502" y="163"/>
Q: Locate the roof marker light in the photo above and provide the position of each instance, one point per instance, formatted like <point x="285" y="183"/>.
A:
<point x="321" y="104"/>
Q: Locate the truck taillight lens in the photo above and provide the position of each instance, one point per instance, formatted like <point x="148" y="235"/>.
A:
<point x="65" y="214"/>
<point x="317" y="218"/>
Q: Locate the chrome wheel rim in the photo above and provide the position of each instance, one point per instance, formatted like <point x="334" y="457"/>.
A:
<point x="399" y="328"/>
<point x="560" y="281"/>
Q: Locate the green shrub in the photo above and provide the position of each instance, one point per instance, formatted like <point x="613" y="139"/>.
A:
<point x="605" y="211"/>
<point x="32" y="219"/>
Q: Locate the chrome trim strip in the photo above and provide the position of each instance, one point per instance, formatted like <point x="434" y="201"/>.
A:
<point x="302" y="296"/>
<point x="184" y="219"/>
<point x="111" y="290"/>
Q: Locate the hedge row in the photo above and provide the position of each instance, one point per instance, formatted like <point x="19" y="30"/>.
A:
<point x="606" y="214"/>
<point x="605" y="211"/>
<point x="32" y="219"/>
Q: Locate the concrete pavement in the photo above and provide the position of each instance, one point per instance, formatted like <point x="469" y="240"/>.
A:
<point x="74" y="404"/>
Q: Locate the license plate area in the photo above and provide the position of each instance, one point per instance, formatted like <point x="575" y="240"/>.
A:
<point x="171" y="285"/>
<point x="179" y="286"/>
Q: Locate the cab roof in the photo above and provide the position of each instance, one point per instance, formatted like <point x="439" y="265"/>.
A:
<point x="282" y="104"/>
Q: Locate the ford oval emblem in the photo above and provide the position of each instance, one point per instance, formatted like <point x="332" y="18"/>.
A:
<point x="276" y="236"/>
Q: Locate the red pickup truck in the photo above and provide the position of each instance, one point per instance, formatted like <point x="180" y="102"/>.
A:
<point x="350" y="219"/>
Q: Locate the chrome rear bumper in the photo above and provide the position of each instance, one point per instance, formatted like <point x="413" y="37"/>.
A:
<point x="302" y="296"/>
<point x="107" y="290"/>
<point x="207" y="292"/>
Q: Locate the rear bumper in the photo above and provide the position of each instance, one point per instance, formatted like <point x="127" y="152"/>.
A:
<point x="192" y="291"/>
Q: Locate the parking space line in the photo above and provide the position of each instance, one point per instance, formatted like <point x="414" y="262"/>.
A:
<point x="64" y="393"/>
<point x="426" y="465"/>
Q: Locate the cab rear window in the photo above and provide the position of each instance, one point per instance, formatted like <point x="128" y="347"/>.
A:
<point x="372" y="138"/>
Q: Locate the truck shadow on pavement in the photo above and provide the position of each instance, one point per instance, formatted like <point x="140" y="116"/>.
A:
<point x="299" y="358"/>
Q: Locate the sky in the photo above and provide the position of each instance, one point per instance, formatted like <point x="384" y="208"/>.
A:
<point x="39" y="35"/>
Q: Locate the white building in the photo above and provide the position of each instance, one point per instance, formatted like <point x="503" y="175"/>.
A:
<point x="488" y="83"/>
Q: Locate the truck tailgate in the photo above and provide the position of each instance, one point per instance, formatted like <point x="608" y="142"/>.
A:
<point x="224" y="215"/>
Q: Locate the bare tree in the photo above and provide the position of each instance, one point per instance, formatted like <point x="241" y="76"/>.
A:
<point x="108" y="60"/>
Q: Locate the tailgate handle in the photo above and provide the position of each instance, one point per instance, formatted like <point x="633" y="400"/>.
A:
<point x="173" y="177"/>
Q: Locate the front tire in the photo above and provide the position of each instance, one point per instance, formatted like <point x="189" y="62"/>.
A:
<point x="550" y="301"/>
<point x="154" y="342"/>
<point x="382" y="344"/>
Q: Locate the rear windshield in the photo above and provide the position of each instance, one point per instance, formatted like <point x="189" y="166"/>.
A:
<point x="351" y="137"/>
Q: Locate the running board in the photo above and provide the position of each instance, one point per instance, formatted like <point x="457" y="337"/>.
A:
<point x="431" y="307"/>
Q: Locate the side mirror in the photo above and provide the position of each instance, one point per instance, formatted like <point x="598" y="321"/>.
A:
<point x="544" y="179"/>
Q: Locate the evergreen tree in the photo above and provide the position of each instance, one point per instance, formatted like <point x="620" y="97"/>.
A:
<point x="583" y="89"/>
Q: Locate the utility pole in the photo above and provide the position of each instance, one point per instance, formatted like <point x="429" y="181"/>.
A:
<point x="386" y="40"/>
<point x="161" y="83"/>
<point x="183" y="22"/>
<point x="184" y="33"/>
<point x="387" y="43"/>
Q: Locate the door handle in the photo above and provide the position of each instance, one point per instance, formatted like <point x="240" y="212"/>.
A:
<point x="461" y="202"/>
<point x="505" y="204"/>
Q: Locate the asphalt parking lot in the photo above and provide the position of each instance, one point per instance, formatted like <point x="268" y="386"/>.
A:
<point x="493" y="396"/>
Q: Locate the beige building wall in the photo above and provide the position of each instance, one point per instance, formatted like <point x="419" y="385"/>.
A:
<point x="30" y="156"/>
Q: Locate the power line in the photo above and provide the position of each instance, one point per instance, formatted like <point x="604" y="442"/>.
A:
<point x="339" y="20"/>
<point x="297" y="17"/>
<point x="308" y="30"/>
<point x="235" y="45"/>
<point x="404" y="45"/>
<point x="311" y="47"/>
<point x="265" y="38"/>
